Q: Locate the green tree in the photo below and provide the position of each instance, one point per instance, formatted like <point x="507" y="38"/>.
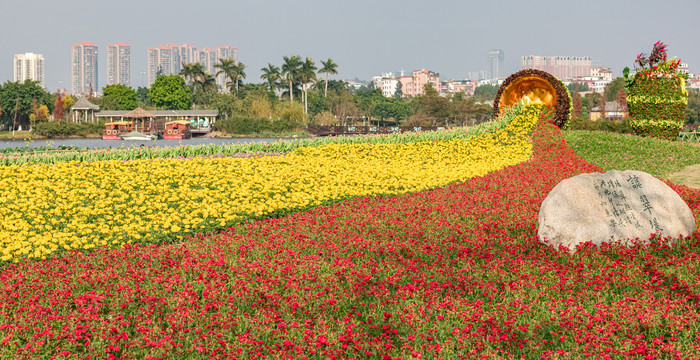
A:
<point x="434" y="105"/>
<point x="16" y="101"/>
<point x="225" y="67"/>
<point x="613" y="89"/>
<point x="573" y="86"/>
<point x="142" y="96"/>
<point x="329" y="68"/>
<point x="271" y="75"/>
<point x="237" y="75"/>
<point x="290" y="71"/>
<point x="391" y="108"/>
<point x="124" y="97"/>
<point x="307" y="74"/>
<point x="399" y="90"/>
<point x="692" y="114"/>
<point x="485" y="92"/>
<point x="170" y="92"/>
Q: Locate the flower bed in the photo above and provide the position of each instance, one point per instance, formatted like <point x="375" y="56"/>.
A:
<point x="452" y="273"/>
<point x="82" y="205"/>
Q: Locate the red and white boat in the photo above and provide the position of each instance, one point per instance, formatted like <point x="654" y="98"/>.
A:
<point x="177" y="130"/>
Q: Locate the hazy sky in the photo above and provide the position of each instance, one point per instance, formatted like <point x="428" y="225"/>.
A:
<point x="365" y="38"/>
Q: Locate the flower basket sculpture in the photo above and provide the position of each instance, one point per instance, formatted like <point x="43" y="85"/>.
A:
<point x="535" y="86"/>
<point x="657" y="96"/>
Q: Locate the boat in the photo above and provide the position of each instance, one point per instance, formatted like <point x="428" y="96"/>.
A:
<point x="177" y="130"/>
<point x="135" y="135"/>
<point x="114" y="130"/>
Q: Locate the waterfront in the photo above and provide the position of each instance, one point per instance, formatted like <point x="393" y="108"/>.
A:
<point x="102" y="144"/>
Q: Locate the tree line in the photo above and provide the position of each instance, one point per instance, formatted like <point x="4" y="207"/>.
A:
<point x="297" y="92"/>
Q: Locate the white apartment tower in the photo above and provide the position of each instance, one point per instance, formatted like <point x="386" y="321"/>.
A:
<point x="119" y="64"/>
<point x="224" y="52"/>
<point x="29" y="66"/>
<point x="84" y="68"/>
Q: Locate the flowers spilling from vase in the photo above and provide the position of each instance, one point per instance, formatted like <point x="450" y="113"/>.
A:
<point x="656" y="94"/>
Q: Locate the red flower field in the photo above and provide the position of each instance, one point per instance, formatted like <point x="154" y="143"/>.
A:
<point x="456" y="272"/>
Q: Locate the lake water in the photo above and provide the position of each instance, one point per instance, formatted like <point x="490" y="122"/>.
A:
<point x="100" y="144"/>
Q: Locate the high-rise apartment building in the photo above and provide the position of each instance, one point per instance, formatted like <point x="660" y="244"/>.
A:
<point x="119" y="64"/>
<point x="207" y="57"/>
<point x="566" y="68"/>
<point x="496" y="66"/>
<point x="169" y="59"/>
<point x="224" y="52"/>
<point x="84" y="68"/>
<point x="29" y="66"/>
<point x="160" y="62"/>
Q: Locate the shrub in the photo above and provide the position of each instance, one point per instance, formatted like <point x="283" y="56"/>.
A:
<point x="623" y="126"/>
<point x="52" y="129"/>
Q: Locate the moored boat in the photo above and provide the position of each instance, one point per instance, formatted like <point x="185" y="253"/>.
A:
<point x="177" y="130"/>
<point x="135" y="135"/>
<point x="114" y="130"/>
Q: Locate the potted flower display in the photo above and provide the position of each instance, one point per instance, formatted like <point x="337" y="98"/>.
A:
<point x="656" y="94"/>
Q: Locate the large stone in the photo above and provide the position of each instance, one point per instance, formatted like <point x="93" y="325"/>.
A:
<point x="614" y="206"/>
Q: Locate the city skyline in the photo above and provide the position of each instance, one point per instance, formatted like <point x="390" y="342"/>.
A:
<point x="364" y="38"/>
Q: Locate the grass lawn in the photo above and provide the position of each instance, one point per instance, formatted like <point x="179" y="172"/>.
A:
<point x="609" y="151"/>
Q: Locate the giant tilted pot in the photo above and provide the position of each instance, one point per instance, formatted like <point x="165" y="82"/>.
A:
<point x="657" y="105"/>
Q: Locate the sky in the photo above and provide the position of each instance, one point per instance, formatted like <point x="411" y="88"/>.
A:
<point x="364" y="37"/>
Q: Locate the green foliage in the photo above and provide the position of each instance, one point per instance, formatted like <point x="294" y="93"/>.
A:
<point x="142" y="97"/>
<point x="581" y="87"/>
<point x="16" y="98"/>
<point x="242" y="125"/>
<point x="170" y="92"/>
<point x="119" y="95"/>
<point x="623" y="126"/>
<point x="391" y="108"/>
<point x="613" y="88"/>
<point x="613" y="151"/>
<point x="53" y="129"/>
<point x="692" y="112"/>
<point x="485" y="92"/>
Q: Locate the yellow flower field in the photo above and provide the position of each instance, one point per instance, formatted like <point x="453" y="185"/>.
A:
<point x="75" y="205"/>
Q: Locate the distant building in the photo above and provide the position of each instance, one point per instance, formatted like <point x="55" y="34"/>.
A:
<point x="224" y="52"/>
<point x="412" y="85"/>
<point x="459" y="86"/>
<point x="84" y="68"/>
<point x="160" y="62"/>
<point x="29" y="66"/>
<point x="565" y="68"/>
<point x="169" y="59"/>
<point x="496" y="64"/>
<point x="207" y="57"/>
<point x="613" y="111"/>
<point x="119" y="64"/>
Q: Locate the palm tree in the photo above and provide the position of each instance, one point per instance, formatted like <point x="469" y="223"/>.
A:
<point x="194" y="73"/>
<point x="306" y="75"/>
<point x="225" y="67"/>
<point x="329" y="67"/>
<point x="237" y="73"/>
<point x="290" y="70"/>
<point x="271" y="74"/>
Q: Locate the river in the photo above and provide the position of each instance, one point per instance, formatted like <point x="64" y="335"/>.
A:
<point x="100" y="144"/>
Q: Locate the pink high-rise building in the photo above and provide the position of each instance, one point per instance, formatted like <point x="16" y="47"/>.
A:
<point x="84" y="68"/>
<point x="565" y="68"/>
<point x="119" y="64"/>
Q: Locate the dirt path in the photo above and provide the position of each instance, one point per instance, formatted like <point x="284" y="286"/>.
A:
<point x="689" y="175"/>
